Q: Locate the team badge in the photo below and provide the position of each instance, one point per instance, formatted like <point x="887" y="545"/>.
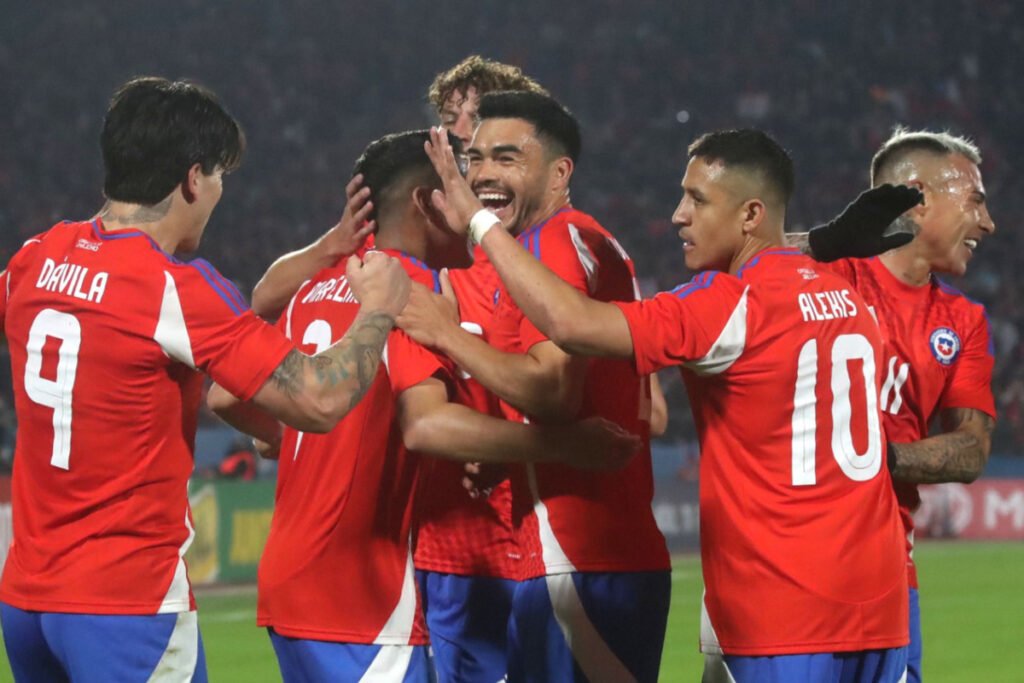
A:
<point x="945" y="345"/>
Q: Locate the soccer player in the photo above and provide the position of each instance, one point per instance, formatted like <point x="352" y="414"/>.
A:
<point x="110" y="336"/>
<point x="464" y="548"/>
<point x="801" y="544"/>
<point x="938" y="348"/>
<point x="336" y="582"/>
<point x="593" y="557"/>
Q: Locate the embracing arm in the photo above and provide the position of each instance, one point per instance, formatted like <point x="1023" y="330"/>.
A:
<point x="545" y="382"/>
<point x="957" y="455"/>
<point x="432" y="425"/>
<point x="863" y="228"/>
<point x="275" y="289"/>
<point x="312" y="393"/>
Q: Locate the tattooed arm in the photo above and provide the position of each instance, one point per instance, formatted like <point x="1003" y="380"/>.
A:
<point x="312" y="393"/>
<point x="959" y="454"/>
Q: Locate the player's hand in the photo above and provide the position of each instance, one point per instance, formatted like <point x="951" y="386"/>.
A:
<point x="352" y="229"/>
<point x="862" y="229"/>
<point x="378" y="282"/>
<point x="429" y="317"/>
<point x="265" y="450"/>
<point x="598" y="444"/>
<point x="458" y="202"/>
<point x="480" y="479"/>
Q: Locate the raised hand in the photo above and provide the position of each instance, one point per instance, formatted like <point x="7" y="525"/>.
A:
<point x="458" y="202"/>
<point x="354" y="226"/>
<point x="862" y="229"/>
<point x="599" y="444"/>
<point x="379" y="282"/>
<point x="429" y="316"/>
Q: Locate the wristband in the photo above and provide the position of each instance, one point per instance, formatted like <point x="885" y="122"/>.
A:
<point x="482" y="221"/>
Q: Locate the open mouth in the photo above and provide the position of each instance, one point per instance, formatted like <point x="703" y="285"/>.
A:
<point x="971" y="244"/>
<point x="495" y="200"/>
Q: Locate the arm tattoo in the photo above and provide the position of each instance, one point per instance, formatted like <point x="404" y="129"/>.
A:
<point x="798" y="240"/>
<point x="288" y="375"/>
<point x="957" y="455"/>
<point x="356" y="357"/>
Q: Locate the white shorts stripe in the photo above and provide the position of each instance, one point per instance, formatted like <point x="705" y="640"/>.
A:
<point x="390" y="665"/>
<point x="178" y="663"/>
<point x="593" y="655"/>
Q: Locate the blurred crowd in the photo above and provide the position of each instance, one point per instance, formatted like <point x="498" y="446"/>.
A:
<point x="313" y="82"/>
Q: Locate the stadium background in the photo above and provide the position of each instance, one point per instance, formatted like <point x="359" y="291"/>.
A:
<point x="313" y="81"/>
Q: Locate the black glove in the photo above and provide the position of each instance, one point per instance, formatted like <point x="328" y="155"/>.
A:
<point x="860" y="230"/>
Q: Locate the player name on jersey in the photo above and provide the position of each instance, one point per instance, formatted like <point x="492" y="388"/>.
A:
<point x="335" y="289"/>
<point x="70" y="279"/>
<point x="827" y="305"/>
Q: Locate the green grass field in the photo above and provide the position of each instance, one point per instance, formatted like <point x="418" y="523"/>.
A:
<point x="972" y="599"/>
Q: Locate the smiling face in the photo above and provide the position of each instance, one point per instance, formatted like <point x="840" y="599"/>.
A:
<point x="710" y="216"/>
<point x="954" y="218"/>
<point x="510" y="173"/>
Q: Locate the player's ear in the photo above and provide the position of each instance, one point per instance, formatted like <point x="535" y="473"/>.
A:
<point x="421" y="200"/>
<point x="920" y="208"/>
<point x="190" y="185"/>
<point x="752" y="213"/>
<point x="561" y="172"/>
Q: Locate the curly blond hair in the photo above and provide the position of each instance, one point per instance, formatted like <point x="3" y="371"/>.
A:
<point x="486" y="75"/>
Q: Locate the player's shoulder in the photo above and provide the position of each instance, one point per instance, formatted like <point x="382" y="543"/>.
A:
<point x="708" y="282"/>
<point x="958" y="305"/>
<point x="768" y="267"/>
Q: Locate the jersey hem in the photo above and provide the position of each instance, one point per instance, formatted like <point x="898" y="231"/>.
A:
<point x="805" y="648"/>
<point x="340" y="636"/>
<point x="463" y="570"/>
<point x="126" y="609"/>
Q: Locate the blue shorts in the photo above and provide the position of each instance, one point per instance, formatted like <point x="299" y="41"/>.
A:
<point x="583" y="626"/>
<point x="468" y="621"/>
<point x="313" y="661"/>
<point x="54" y="646"/>
<point x="867" y="666"/>
<point x="915" y="648"/>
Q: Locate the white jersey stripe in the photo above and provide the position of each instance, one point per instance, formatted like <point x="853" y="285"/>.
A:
<point x="398" y="628"/>
<point x="177" y="597"/>
<point x="555" y="559"/>
<point x="730" y="343"/>
<point x="171" y="332"/>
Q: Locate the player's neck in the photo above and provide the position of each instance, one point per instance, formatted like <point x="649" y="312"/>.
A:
<point x="752" y="246"/>
<point x="907" y="266"/>
<point x="550" y="208"/>
<point x="394" y="238"/>
<point x="153" y="220"/>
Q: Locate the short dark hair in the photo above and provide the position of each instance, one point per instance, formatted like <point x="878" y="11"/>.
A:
<point x="751" y="150"/>
<point x="156" y="129"/>
<point x="389" y="162"/>
<point x="486" y="75"/>
<point x="554" y="124"/>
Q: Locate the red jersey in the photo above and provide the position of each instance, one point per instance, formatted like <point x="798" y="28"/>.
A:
<point x="337" y="565"/>
<point x="108" y="333"/>
<point x="938" y="355"/>
<point x="458" y="534"/>
<point x="568" y="519"/>
<point x="801" y="544"/>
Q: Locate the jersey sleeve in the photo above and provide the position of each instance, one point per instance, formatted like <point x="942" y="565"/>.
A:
<point x="701" y="324"/>
<point x="206" y="324"/>
<point x="970" y="385"/>
<point x="575" y="254"/>
<point x="409" y="363"/>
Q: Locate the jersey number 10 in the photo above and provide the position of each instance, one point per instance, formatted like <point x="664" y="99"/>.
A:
<point x="856" y="466"/>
